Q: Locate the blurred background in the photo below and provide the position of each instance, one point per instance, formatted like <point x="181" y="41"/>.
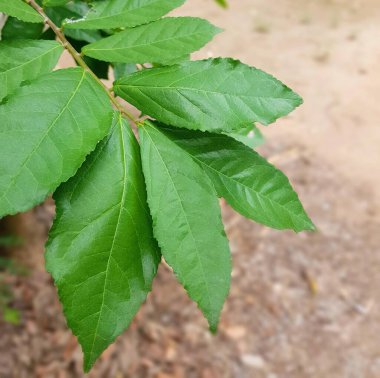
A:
<point x="300" y="306"/>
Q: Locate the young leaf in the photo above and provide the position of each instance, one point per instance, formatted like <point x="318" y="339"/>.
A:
<point x="20" y="10"/>
<point x="16" y="29"/>
<point x="251" y="185"/>
<point x="25" y="60"/>
<point x="101" y="251"/>
<point x="120" y="13"/>
<point x="161" y="41"/>
<point x="215" y="94"/>
<point x="186" y="221"/>
<point x="47" y="129"/>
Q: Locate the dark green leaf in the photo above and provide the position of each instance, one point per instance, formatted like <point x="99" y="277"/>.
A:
<point x="101" y="250"/>
<point x="73" y="11"/>
<point x="99" y="68"/>
<point x="20" y="10"/>
<point x="25" y="60"/>
<point x="122" y="69"/>
<point x="246" y="180"/>
<point x="47" y="129"/>
<point x="120" y="13"/>
<point x="16" y="29"/>
<point x="161" y="41"/>
<point x="215" y="94"/>
<point x="186" y="221"/>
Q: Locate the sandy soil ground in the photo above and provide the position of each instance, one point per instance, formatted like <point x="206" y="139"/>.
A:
<point x="301" y="306"/>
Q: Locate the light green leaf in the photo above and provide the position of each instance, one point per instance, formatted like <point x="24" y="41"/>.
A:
<point x="20" y="10"/>
<point x="215" y="95"/>
<point x="121" y="13"/>
<point x="25" y="60"/>
<point x="186" y="221"/>
<point x="46" y="130"/>
<point x="251" y="185"/>
<point x="11" y="315"/>
<point x="101" y="251"/>
<point x="161" y="41"/>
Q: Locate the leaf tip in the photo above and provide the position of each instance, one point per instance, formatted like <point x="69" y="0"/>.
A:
<point x="87" y="364"/>
<point x="218" y="30"/>
<point x="213" y="328"/>
<point x="312" y="227"/>
<point x="89" y="356"/>
<point x="308" y="226"/>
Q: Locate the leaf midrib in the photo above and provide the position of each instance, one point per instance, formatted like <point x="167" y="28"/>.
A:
<point x="113" y="241"/>
<point x="31" y="61"/>
<point x="208" y="92"/>
<point x="184" y="212"/>
<point x="27" y="159"/>
<point x="259" y="194"/>
<point x="126" y="11"/>
<point x="156" y="42"/>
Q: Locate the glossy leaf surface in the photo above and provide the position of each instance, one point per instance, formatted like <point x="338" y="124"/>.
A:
<point x="251" y="185"/>
<point x="161" y="41"/>
<point x="47" y="129"/>
<point x="215" y="94"/>
<point x="25" y="60"/>
<point x="121" y="13"/>
<point x="101" y="250"/>
<point x="186" y="221"/>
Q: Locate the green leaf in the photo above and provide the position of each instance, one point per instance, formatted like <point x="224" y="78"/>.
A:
<point x="99" y="68"/>
<point x="25" y="60"/>
<point x="11" y="315"/>
<point x="55" y="3"/>
<point x="251" y="136"/>
<point x="120" y="13"/>
<point x="16" y="29"/>
<point x="73" y="11"/>
<point x="251" y="185"/>
<point x="101" y="251"/>
<point x="122" y="69"/>
<point x="186" y="221"/>
<point x="222" y="3"/>
<point x="161" y="41"/>
<point x="215" y="95"/>
<point x="47" y="129"/>
<point x="19" y="9"/>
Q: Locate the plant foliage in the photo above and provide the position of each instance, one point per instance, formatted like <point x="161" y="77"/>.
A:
<point x="123" y="202"/>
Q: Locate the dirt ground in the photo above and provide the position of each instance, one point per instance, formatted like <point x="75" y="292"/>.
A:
<point x="300" y="306"/>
